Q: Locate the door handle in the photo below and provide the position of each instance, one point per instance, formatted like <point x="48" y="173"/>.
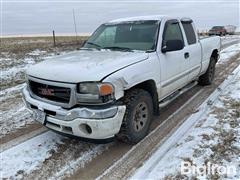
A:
<point x="186" y="55"/>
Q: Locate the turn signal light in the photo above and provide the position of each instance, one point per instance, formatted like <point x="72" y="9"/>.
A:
<point x="105" y="89"/>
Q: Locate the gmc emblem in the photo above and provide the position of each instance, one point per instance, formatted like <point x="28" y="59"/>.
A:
<point x="46" y="92"/>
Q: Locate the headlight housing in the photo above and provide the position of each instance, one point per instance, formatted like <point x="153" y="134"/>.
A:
<point x="95" y="92"/>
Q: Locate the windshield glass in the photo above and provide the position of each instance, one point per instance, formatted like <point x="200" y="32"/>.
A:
<point x="218" y="27"/>
<point x="136" y="35"/>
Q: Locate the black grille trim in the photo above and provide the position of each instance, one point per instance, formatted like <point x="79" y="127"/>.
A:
<point x="52" y="93"/>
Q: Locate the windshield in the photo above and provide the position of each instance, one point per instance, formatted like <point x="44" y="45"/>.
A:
<point x="136" y="35"/>
<point x="217" y="27"/>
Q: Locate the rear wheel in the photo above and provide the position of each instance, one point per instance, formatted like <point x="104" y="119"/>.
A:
<point x="208" y="77"/>
<point x="138" y="116"/>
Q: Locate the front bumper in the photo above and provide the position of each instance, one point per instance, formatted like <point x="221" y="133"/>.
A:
<point x="82" y="127"/>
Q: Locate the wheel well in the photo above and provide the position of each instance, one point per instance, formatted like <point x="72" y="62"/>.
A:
<point x="215" y="54"/>
<point x="151" y="88"/>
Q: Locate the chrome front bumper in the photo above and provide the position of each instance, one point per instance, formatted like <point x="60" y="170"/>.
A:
<point x="66" y="121"/>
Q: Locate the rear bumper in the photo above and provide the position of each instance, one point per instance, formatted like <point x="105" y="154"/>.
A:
<point x="57" y="119"/>
<point x="215" y="33"/>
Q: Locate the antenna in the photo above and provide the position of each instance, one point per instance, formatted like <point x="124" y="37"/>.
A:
<point x="74" y="20"/>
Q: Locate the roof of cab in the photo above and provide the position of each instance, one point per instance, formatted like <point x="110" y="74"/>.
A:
<point x="139" y="18"/>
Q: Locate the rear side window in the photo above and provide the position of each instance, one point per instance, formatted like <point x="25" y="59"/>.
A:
<point x="172" y="31"/>
<point x="189" y="31"/>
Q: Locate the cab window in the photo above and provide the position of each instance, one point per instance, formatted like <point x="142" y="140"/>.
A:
<point x="190" y="33"/>
<point x="172" y="31"/>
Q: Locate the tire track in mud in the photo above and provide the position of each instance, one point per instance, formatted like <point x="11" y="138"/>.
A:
<point x="68" y="156"/>
<point x="17" y="138"/>
<point x="47" y="155"/>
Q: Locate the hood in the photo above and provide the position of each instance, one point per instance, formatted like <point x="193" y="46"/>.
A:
<point x="84" y="65"/>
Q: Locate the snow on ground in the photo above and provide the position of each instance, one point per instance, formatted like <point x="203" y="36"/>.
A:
<point x="80" y="162"/>
<point x="18" y="116"/>
<point x="26" y="156"/>
<point x="228" y="39"/>
<point x="13" y="113"/>
<point x="13" y="70"/>
<point x="213" y="140"/>
<point x="11" y="92"/>
<point x="31" y="156"/>
<point x="229" y="52"/>
<point x="37" y="52"/>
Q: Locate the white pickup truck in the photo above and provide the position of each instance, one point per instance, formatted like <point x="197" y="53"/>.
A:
<point x="125" y="72"/>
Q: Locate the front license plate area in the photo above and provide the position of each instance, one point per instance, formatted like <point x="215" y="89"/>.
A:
<point x="39" y="116"/>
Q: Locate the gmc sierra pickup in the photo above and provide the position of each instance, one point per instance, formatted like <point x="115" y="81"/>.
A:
<point x="126" y="71"/>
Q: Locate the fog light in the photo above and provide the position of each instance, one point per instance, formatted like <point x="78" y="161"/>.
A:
<point x="85" y="128"/>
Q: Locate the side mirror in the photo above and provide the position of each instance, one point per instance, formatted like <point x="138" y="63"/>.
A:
<point x="173" y="45"/>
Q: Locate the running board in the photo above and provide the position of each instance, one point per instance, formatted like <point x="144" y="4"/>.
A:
<point x="176" y="94"/>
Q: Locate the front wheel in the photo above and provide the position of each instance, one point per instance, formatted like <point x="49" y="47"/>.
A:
<point x="207" y="78"/>
<point x="138" y="116"/>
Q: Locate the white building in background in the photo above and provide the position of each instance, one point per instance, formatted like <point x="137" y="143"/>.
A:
<point x="230" y="29"/>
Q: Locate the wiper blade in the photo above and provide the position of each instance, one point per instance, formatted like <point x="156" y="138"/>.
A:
<point x="89" y="49"/>
<point x="150" y="51"/>
<point x="118" y="48"/>
<point x="92" y="43"/>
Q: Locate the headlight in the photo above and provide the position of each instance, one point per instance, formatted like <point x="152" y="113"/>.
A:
<point x="93" y="92"/>
<point x="88" y="88"/>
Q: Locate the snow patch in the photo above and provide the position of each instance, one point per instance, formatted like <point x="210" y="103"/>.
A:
<point x="229" y="52"/>
<point x="37" y="52"/>
<point x="11" y="92"/>
<point x="27" y="156"/>
<point x="80" y="162"/>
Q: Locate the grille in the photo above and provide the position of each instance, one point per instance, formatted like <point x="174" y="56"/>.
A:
<point x="49" y="92"/>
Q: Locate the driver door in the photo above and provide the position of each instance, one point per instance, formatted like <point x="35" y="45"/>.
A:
<point x="173" y="64"/>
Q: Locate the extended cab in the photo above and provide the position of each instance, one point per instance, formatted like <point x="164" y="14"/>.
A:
<point x="126" y="71"/>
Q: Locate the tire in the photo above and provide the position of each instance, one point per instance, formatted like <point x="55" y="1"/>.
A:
<point x="138" y="116"/>
<point x="208" y="77"/>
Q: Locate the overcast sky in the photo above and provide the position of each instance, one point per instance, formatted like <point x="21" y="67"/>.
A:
<point x="41" y="17"/>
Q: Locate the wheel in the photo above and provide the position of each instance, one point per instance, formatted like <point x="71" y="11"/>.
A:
<point x="138" y="116"/>
<point x="207" y="78"/>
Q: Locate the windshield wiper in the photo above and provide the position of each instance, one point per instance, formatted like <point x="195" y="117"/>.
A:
<point x="92" y="43"/>
<point x="150" y="51"/>
<point x="118" y="48"/>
